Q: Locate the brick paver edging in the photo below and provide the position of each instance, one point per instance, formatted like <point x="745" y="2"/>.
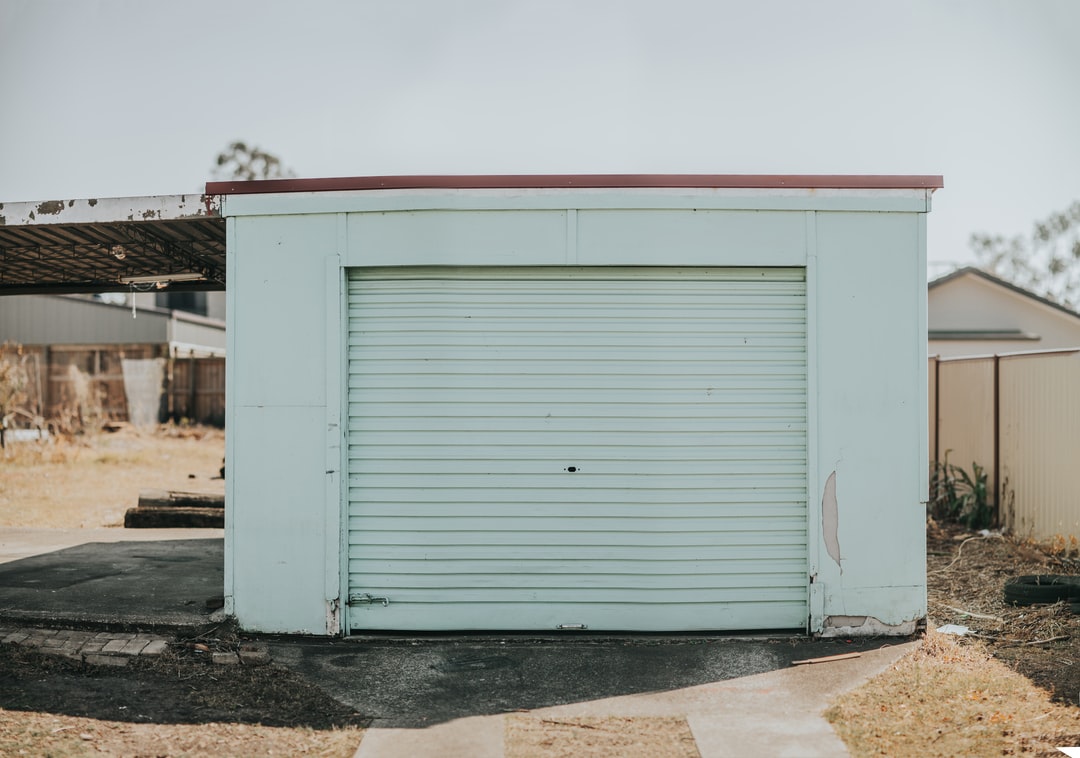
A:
<point x="99" y="648"/>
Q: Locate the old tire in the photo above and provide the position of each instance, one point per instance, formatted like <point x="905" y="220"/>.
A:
<point x="1034" y="589"/>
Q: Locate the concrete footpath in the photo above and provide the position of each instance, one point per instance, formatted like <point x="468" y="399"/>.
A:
<point x="93" y="594"/>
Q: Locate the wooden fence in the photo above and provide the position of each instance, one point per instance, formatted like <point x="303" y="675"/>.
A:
<point x="88" y="381"/>
<point x="1018" y="416"/>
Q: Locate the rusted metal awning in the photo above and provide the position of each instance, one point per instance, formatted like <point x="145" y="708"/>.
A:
<point x="110" y="244"/>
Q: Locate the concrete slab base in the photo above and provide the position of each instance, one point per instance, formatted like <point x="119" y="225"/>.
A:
<point x="111" y="577"/>
<point x="778" y="713"/>
<point x="452" y="697"/>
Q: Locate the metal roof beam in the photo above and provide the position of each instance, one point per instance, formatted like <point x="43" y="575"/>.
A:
<point x="183" y="254"/>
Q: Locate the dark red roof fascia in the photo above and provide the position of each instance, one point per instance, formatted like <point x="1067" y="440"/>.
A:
<point x="581" y="181"/>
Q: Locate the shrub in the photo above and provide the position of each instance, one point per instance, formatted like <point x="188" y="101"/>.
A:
<point x="960" y="497"/>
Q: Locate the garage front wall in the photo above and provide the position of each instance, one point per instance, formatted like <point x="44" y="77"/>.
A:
<point x="862" y="254"/>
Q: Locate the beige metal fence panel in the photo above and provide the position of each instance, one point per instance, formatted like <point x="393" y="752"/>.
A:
<point x="965" y="407"/>
<point x="1040" y="444"/>
<point x="931" y="373"/>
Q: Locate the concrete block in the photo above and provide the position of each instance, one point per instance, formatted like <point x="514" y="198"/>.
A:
<point x="225" y="657"/>
<point x="114" y="646"/>
<point x="134" y="647"/>
<point x="253" y="654"/>
<point x="102" y="659"/>
<point x="174" y="518"/>
<point x="93" y="646"/>
<point x="155" y="647"/>
<point x="14" y="638"/>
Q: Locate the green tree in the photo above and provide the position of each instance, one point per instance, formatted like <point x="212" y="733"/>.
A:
<point x="1047" y="261"/>
<point x="247" y="162"/>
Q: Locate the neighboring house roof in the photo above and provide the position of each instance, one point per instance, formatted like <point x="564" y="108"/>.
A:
<point x="972" y="312"/>
<point x="966" y="270"/>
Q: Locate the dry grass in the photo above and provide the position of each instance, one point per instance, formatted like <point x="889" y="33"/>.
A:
<point x="627" y="737"/>
<point x="87" y="482"/>
<point x="964" y="696"/>
<point x="34" y="734"/>
<point x="952" y="699"/>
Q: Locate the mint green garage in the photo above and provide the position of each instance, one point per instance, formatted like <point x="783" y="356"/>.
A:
<point x="566" y="403"/>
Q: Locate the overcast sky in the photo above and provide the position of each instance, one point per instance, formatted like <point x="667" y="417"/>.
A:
<point x="111" y="98"/>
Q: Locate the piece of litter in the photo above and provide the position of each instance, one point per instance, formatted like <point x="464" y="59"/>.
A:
<point x="956" y="629"/>
<point x="827" y="659"/>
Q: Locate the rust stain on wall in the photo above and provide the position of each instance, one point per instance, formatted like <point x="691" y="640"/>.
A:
<point x="830" y="519"/>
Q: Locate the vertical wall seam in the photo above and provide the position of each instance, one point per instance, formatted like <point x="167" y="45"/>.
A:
<point x="571" y="237"/>
<point x="922" y="379"/>
<point x="230" y="413"/>
<point x="816" y="599"/>
<point x="337" y="401"/>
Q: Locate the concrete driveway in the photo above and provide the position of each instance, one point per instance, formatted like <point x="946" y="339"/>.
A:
<point x="120" y="577"/>
<point x="469" y="696"/>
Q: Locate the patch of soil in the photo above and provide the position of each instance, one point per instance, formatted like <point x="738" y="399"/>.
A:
<point x="53" y="704"/>
<point x="966" y="575"/>
<point x="175" y="687"/>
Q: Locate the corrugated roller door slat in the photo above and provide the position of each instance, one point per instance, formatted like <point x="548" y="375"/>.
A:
<point x="623" y="449"/>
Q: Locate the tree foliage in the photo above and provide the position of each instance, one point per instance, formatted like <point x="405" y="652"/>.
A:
<point x="247" y="162"/>
<point x="1046" y="262"/>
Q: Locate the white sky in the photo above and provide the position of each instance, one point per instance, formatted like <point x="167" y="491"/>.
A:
<point x="116" y="97"/>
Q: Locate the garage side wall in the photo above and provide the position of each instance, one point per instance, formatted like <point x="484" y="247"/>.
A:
<point x="277" y="526"/>
<point x="868" y="316"/>
<point x="866" y="385"/>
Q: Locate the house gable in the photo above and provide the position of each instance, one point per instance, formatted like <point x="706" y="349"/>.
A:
<point x="971" y="312"/>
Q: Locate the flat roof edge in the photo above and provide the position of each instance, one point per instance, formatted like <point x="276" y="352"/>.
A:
<point x="110" y="210"/>
<point x="579" y="181"/>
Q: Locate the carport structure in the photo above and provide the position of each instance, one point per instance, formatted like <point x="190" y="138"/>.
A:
<point x="112" y="244"/>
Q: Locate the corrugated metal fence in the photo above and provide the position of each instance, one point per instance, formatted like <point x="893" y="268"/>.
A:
<point x="1018" y="416"/>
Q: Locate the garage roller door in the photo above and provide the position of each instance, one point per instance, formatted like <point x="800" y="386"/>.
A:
<point x="610" y="449"/>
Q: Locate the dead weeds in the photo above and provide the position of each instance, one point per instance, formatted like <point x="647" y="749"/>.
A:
<point x="951" y="698"/>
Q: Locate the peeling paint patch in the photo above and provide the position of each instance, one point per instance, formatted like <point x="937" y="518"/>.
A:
<point x="333" y="617"/>
<point x="149" y="214"/>
<point x="92" y="201"/>
<point x="50" y="207"/>
<point x="830" y="519"/>
<point x="866" y="626"/>
<point x="3" y="221"/>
